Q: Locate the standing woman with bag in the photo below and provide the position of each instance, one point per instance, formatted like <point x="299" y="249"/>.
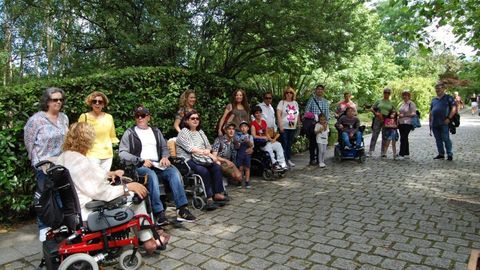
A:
<point x="101" y="152"/>
<point x="288" y="114"/>
<point x="237" y="111"/>
<point x="407" y="111"/>
<point x="193" y="146"/>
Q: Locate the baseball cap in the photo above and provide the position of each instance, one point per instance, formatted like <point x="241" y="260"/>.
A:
<point x="141" y="110"/>
<point x="243" y="123"/>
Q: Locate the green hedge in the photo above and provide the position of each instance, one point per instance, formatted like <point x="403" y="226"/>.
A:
<point x="157" y="88"/>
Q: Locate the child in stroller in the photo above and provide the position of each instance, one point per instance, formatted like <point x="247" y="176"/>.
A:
<point x="350" y="140"/>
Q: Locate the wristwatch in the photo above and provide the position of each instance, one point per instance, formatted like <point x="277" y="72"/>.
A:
<point x="125" y="189"/>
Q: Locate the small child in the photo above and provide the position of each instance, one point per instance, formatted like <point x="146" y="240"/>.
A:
<point x="321" y="131"/>
<point x="391" y="133"/>
<point x="243" y="142"/>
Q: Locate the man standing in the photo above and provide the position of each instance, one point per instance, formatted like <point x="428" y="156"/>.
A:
<point x="145" y="147"/>
<point x="381" y="109"/>
<point x="442" y="110"/>
<point x="316" y="104"/>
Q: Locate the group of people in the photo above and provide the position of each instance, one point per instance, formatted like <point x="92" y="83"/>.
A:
<point x="87" y="144"/>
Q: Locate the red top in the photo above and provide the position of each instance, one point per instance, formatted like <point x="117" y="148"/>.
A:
<point x="260" y="129"/>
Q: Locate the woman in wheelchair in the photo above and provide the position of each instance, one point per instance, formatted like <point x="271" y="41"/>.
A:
<point x="91" y="183"/>
<point x="349" y="128"/>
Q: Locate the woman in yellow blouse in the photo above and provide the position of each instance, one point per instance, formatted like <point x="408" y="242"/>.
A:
<point x="102" y="152"/>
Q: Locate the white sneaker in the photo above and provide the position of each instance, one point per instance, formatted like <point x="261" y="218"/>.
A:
<point x="290" y="163"/>
<point x="406" y="157"/>
<point x="322" y="165"/>
<point x="400" y="158"/>
<point x="369" y="154"/>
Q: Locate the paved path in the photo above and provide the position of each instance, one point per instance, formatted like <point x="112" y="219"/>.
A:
<point x="384" y="214"/>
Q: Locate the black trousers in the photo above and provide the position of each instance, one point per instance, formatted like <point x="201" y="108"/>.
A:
<point x="404" y="131"/>
<point x="312" y="147"/>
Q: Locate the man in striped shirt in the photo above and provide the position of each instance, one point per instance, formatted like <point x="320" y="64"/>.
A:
<point x="316" y="104"/>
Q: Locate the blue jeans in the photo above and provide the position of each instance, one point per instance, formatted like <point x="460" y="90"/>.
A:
<point x="173" y="177"/>
<point x="442" y="136"/>
<point x="358" y="140"/>
<point x="41" y="178"/>
<point x="287" y="140"/>
<point x="211" y="176"/>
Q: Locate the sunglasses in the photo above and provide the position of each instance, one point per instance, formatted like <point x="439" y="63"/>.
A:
<point x="141" y="116"/>
<point x="267" y="97"/>
<point x="97" y="101"/>
<point x="194" y="118"/>
<point x="290" y="93"/>
<point x="56" y="100"/>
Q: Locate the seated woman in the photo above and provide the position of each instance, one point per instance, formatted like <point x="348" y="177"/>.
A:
<point x="259" y="132"/>
<point x="223" y="147"/>
<point x="91" y="182"/>
<point x="349" y="125"/>
<point x="192" y="143"/>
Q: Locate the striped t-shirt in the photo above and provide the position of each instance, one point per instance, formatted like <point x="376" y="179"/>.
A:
<point x="188" y="139"/>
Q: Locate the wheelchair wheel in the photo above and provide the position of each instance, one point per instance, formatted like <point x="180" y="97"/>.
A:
<point x="362" y="158"/>
<point x="79" y="261"/>
<point x="198" y="203"/>
<point x="267" y="175"/>
<point x="127" y="262"/>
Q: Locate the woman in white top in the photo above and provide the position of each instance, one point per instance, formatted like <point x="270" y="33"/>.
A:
<point x="91" y="182"/>
<point x="407" y="111"/>
<point x="288" y="114"/>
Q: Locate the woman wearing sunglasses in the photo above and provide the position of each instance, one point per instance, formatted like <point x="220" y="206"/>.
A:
<point x="193" y="146"/>
<point x="44" y="134"/>
<point x="101" y="152"/>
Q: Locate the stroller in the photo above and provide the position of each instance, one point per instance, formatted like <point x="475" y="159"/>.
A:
<point x="110" y="233"/>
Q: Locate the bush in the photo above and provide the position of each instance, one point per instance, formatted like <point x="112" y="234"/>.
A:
<point x="157" y="88"/>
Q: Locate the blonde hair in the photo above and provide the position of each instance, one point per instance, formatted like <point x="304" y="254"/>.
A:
<point x="95" y="94"/>
<point x="289" y="88"/>
<point x="79" y="138"/>
<point x="182" y="101"/>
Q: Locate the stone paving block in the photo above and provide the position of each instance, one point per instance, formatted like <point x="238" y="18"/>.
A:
<point x="336" y="234"/>
<point x="302" y="243"/>
<point x="339" y="243"/>
<point x="438" y="262"/>
<point x="278" y="248"/>
<point x="319" y="258"/>
<point x="445" y="246"/>
<point x="404" y="247"/>
<point x="235" y="258"/>
<point x="215" y="252"/>
<point x="196" y="259"/>
<point x="410" y="257"/>
<point x="214" y="264"/>
<point x="256" y="263"/>
<point x="277" y="258"/>
<point x="397" y="238"/>
<point x="183" y="267"/>
<point x="418" y="267"/>
<point x="420" y="242"/>
<point x="369" y="267"/>
<point x="393" y="264"/>
<point x="382" y="251"/>
<point x="460" y="266"/>
<point x="298" y="264"/>
<point x="169" y="263"/>
<point x="456" y="256"/>
<point x="344" y="253"/>
<point x="458" y="241"/>
<point x="435" y="237"/>
<point x="369" y="259"/>
<point x="177" y="253"/>
<point x="8" y="255"/>
<point x="340" y="263"/>
<point x="361" y="247"/>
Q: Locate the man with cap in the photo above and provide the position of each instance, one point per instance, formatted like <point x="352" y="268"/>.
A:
<point x="442" y="110"/>
<point x="381" y="109"/>
<point x="224" y="148"/>
<point x="146" y="148"/>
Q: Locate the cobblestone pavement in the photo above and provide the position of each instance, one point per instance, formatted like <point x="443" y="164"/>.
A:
<point x="385" y="214"/>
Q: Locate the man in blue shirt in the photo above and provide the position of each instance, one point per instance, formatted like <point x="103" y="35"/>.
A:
<point x="442" y="110"/>
<point x="316" y="104"/>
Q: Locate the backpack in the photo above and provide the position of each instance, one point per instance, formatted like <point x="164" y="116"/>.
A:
<point x="308" y="127"/>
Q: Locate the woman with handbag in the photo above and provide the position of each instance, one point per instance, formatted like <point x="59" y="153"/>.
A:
<point x="193" y="146"/>
<point x="407" y="111"/>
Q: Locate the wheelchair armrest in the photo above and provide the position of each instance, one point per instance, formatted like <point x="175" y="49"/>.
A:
<point x="98" y="205"/>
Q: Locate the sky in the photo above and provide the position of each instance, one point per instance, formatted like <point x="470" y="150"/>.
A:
<point x="444" y="34"/>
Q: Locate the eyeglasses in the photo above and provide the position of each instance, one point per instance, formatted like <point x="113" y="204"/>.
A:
<point x="194" y="118"/>
<point x="141" y="116"/>
<point x="267" y="97"/>
<point x="97" y="101"/>
<point x="56" y="100"/>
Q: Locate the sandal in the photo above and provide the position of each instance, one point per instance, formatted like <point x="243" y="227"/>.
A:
<point x="162" y="242"/>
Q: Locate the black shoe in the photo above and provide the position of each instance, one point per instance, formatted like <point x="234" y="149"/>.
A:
<point x="161" y="219"/>
<point x="450" y="158"/>
<point x="210" y="206"/>
<point x="313" y="163"/>
<point x="183" y="214"/>
<point x="439" y="157"/>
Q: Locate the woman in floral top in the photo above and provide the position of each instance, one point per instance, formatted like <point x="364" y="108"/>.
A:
<point x="44" y="133"/>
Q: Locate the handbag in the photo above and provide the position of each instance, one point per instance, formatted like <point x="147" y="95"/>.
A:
<point x="202" y="160"/>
